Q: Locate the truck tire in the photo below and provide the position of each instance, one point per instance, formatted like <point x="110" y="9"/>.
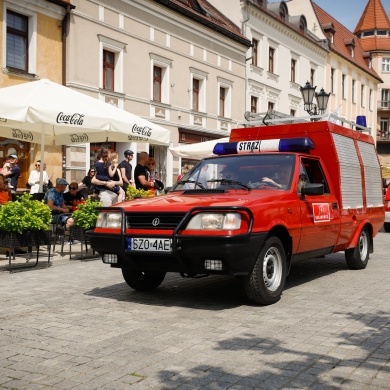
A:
<point x="386" y="226"/>
<point x="264" y="285"/>
<point x="142" y="280"/>
<point x="357" y="258"/>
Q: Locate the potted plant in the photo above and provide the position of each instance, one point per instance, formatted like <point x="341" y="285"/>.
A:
<point x="85" y="218"/>
<point x="134" y="193"/>
<point x="25" y="222"/>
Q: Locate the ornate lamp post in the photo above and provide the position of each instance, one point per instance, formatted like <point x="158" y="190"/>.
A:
<point x="308" y="92"/>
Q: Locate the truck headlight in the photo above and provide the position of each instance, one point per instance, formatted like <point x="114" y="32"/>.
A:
<point x="109" y="220"/>
<point x="215" y="221"/>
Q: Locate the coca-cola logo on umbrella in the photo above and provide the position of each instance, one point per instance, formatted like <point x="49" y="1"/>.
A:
<point x="144" y="131"/>
<point x="75" y="119"/>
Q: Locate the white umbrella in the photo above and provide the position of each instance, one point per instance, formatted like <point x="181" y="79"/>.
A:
<point x="198" y="150"/>
<point x="68" y="116"/>
<point x="49" y="113"/>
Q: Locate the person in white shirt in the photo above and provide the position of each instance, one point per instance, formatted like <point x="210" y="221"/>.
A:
<point x="34" y="177"/>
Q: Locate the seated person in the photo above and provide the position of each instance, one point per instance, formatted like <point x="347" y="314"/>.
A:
<point x="283" y="177"/>
<point x="54" y="198"/>
<point x="73" y="197"/>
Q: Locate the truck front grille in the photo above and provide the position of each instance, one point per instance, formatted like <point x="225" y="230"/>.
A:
<point x="158" y="221"/>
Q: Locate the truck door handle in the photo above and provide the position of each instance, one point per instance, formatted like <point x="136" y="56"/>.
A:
<point x="335" y="206"/>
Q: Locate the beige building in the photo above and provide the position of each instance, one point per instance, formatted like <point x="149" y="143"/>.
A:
<point x="32" y="48"/>
<point x="373" y="31"/>
<point x="181" y="66"/>
<point x="283" y="57"/>
<point x="349" y="74"/>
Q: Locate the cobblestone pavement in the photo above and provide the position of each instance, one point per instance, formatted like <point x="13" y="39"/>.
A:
<point x="76" y="325"/>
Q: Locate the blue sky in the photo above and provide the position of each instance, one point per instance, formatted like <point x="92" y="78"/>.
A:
<point x="348" y="12"/>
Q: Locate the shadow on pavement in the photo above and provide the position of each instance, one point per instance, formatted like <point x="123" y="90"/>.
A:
<point x="214" y="292"/>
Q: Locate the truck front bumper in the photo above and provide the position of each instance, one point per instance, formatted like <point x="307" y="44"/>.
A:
<point x="190" y="255"/>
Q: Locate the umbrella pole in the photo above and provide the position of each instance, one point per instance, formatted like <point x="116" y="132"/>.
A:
<point x="42" y="158"/>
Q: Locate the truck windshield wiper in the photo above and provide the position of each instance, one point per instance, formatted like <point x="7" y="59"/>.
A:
<point x="197" y="183"/>
<point x="229" y="182"/>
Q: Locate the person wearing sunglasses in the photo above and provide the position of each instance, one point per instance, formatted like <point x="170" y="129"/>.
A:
<point x="85" y="186"/>
<point x="34" y="178"/>
<point x="73" y="197"/>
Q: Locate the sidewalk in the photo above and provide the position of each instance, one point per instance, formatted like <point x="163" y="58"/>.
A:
<point x="24" y="262"/>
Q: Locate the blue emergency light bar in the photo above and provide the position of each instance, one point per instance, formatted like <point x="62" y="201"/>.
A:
<point x="303" y="144"/>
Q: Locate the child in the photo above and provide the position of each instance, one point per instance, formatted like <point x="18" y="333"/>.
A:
<point x="5" y="192"/>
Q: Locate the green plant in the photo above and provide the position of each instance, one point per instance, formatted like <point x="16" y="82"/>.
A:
<point x="86" y="214"/>
<point x="133" y="193"/>
<point x="25" y="214"/>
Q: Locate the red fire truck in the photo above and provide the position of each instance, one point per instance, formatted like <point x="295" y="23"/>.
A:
<point x="272" y="195"/>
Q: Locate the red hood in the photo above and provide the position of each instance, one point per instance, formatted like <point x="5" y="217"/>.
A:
<point x="178" y="202"/>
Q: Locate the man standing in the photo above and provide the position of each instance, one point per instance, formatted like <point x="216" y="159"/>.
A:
<point x="142" y="173"/>
<point x="13" y="174"/>
<point x="126" y="169"/>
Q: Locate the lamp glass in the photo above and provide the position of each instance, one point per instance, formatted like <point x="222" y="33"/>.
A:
<point x="308" y="93"/>
<point x="322" y="100"/>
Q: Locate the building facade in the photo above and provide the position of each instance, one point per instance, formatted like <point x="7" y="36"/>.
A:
<point x="178" y="64"/>
<point x="373" y="32"/>
<point x="32" y="48"/>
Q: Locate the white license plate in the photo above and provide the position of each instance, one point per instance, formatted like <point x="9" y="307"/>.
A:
<point x="151" y="244"/>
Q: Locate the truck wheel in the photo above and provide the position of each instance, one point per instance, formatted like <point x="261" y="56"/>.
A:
<point x="265" y="283"/>
<point x="143" y="280"/>
<point x="357" y="258"/>
<point x="386" y="226"/>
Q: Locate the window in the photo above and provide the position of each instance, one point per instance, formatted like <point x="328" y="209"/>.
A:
<point x="312" y="74"/>
<point x="314" y="173"/>
<point x="385" y="64"/>
<point x="293" y="70"/>
<point x="384" y="127"/>
<point x="282" y="12"/>
<point x="362" y="100"/>
<point x="332" y="80"/>
<point x="255" y="48"/>
<point x="195" y="94"/>
<point x="385" y="98"/>
<point x="370" y="99"/>
<point x="222" y="101"/>
<point x="271" y="105"/>
<point x="292" y="112"/>
<point x="197" y="91"/>
<point x="157" y="83"/>
<point x="271" y="60"/>
<point x="253" y="104"/>
<point x="353" y="91"/>
<point x="17" y="41"/>
<point x="111" y="64"/>
<point x="343" y="86"/>
<point x="108" y="70"/>
<point x="160" y="78"/>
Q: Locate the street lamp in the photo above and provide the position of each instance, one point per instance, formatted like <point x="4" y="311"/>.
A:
<point x="308" y="92"/>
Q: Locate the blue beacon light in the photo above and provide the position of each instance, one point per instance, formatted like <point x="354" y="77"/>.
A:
<point x="303" y="144"/>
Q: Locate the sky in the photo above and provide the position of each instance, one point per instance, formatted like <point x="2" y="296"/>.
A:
<point x="348" y="12"/>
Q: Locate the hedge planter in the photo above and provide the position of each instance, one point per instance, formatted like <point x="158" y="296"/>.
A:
<point x="35" y="238"/>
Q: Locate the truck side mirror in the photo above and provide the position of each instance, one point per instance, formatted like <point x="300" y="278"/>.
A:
<point x="312" y="189"/>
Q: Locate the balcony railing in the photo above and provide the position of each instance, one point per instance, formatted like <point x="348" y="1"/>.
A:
<point x="384" y="105"/>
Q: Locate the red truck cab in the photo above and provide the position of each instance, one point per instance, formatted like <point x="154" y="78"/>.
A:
<point x="272" y="195"/>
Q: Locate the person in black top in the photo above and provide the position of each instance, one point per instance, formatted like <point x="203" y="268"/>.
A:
<point x="85" y="186"/>
<point x="73" y="197"/>
<point x="142" y="173"/>
<point x="126" y="169"/>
